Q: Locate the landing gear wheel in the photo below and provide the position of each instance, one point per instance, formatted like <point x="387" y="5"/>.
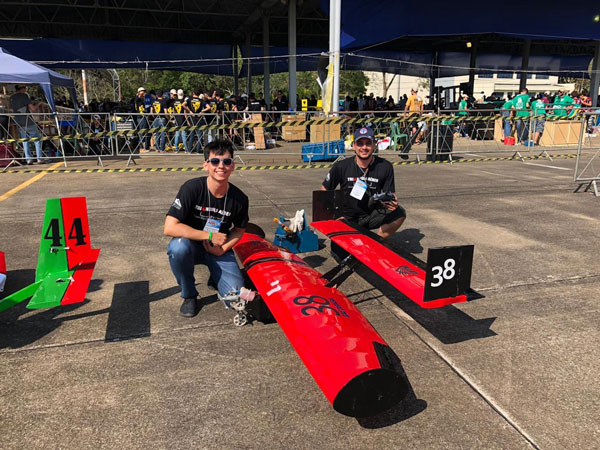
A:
<point x="240" y="320"/>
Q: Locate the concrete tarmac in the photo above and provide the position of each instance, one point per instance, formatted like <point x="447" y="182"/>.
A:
<point x="516" y="369"/>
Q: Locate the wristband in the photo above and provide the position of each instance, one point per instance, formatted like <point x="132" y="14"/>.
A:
<point x="210" y="236"/>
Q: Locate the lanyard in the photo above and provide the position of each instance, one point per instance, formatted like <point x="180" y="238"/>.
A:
<point x="224" y="203"/>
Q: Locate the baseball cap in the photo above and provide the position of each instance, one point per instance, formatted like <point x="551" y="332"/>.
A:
<point x="140" y="89"/>
<point x="173" y="91"/>
<point x="96" y="117"/>
<point x="180" y="93"/>
<point x="364" y="132"/>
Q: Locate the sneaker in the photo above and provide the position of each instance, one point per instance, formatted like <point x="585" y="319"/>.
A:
<point x="211" y="284"/>
<point x="43" y="161"/>
<point x="189" y="307"/>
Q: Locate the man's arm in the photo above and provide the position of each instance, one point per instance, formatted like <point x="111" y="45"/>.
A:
<point x="174" y="228"/>
<point x="232" y="239"/>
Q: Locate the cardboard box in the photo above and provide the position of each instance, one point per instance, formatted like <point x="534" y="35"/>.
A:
<point x="292" y="117"/>
<point x="293" y="133"/>
<point x="259" y="138"/>
<point x="325" y="132"/>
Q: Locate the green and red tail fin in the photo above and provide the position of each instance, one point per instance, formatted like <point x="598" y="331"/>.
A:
<point x="66" y="259"/>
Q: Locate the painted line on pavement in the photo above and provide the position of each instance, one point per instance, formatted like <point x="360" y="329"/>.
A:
<point x="29" y="182"/>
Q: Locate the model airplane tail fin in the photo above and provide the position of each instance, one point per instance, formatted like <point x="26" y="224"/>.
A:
<point x="66" y="259"/>
<point x="443" y="281"/>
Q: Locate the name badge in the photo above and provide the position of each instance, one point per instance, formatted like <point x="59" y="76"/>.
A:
<point x="359" y="189"/>
<point x="212" y="225"/>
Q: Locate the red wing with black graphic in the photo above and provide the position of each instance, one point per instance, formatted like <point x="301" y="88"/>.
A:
<point x="445" y="280"/>
<point x="348" y="359"/>
<point x="66" y="259"/>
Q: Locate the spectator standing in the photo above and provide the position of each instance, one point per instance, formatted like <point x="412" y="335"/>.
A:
<point x="414" y="105"/>
<point x="21" y="103"/>
<point x="179" y="111"/>
<point x="506" y="111"/>
<point x="562" y="102"/>
<point x="521" y="105"/>
<point x="462" y="113"/>
<point x="195" y="104"/>
<point x="160" y="106"/>
<point x="280" y="103"/>
<point x="142" y="108"/>
<point x="538" y="110"/>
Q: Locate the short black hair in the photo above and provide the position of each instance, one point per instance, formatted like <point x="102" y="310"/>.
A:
<point x="219" y="147"/>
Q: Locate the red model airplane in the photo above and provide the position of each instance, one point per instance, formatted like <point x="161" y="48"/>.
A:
<point x="349" y="360"/>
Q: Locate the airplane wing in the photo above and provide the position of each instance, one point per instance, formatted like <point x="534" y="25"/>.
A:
<point x="444" y="280"/>
<point x="347" y="358"/>
<point x="66" y="259"/>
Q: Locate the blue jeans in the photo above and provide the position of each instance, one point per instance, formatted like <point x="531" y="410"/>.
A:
<point x="29" y="132"/>
<point x="159" y="137"/>
<point x="144" y="138"/>
<point x="184" y="254"/>
<point x="522" y="130"/>
<point x="198" y="146"/>
<point x="507" y="125"/>
<point x="181" y="135"/>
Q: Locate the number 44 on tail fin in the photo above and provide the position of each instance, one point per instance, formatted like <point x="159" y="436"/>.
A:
<point x="66" y="259"/>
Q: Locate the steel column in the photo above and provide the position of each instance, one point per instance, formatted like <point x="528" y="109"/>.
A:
<point x="525" y="64"/>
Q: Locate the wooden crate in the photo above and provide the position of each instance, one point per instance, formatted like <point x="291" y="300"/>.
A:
<point x="326" y="132"/>
<point x="561" y="132"/>
<point x="293" y="133"/>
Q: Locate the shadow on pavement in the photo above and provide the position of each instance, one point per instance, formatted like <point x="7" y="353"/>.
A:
<point x="448" y="324"/>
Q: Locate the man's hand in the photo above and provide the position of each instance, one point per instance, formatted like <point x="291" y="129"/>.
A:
<point x="216" y="250"/>
<point x="393" y="205"/>
<point x="218" y="239"/>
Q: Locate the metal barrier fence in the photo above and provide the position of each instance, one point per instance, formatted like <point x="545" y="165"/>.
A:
<point x="587" y="165"/>
<point x="310" y="136"/>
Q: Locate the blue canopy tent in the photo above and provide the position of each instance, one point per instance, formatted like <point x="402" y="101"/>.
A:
<point x="15" y="70"/>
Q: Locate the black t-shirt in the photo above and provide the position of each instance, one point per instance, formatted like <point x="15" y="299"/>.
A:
<point x="254" y="105"/>
<point x="194" y="204"/>
<point x="281" y="105"/>
<point x="159" y="107"/>
<point x="179" y="111"/>
<point x="379" y="178"/>
<point x="140" y="105"/>
<point x="195" y="105"/>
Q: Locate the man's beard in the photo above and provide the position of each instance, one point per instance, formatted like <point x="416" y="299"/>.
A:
<point x="363" y="158"/>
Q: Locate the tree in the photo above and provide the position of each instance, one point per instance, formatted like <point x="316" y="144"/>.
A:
<point x="386" y="85"/>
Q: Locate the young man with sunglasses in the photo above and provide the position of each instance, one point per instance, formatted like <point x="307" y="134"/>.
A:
<point x="360" y="178"/>
<point x="207" y="218"/>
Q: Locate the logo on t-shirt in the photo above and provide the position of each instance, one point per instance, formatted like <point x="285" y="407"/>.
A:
<point x="177" y="204"/>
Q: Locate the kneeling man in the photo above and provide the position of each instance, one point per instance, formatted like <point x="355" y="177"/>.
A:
<point x="207" y="218"/>
<point x="360" y="178"/>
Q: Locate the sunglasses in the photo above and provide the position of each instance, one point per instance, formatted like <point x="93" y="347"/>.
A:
<point x="215" y="161"/>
